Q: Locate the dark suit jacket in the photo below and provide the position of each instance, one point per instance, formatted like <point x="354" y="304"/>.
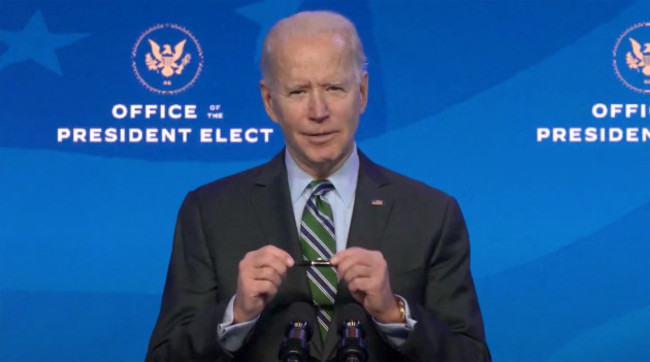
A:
<point x="419" y="230"/>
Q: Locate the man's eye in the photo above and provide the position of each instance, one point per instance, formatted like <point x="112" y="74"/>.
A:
<point x="335" y="89"/>
<point x="296" y="92"/>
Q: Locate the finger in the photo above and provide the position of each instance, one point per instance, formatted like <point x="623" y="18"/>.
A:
<point x="370" y="284"/>
<point x="355" y="271"/>
<point x="355" y="255"/>
<point x="271" y="270"/>
<point x="254" y="288"/>
<point x="270" y="260"/>
<point x="264" y="289"/>
<point x="359" y="285"/>
<point x="354" y="259"/>
<point x="267" y="273"/>
<point x="278" y="253"/>
<point x="344" y="254"/>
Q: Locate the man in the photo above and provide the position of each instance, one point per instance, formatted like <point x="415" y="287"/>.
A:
<point x="398" y="248"/>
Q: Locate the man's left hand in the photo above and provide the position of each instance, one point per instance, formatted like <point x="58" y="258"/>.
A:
<point x="366" y="273"/>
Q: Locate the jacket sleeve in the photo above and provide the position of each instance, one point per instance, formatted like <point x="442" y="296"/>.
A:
<point x="449" y="325"/>
<point x="190" y="311"/>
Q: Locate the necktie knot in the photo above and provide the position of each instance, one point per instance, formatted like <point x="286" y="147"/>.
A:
<point x="320" y="187"/>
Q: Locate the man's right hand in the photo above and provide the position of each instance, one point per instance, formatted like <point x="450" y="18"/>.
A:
<point x="260" y="274"/>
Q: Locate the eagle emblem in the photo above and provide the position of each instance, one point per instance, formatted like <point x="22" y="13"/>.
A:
<point x="638" y="59"/>
<point x="166" y="62"/>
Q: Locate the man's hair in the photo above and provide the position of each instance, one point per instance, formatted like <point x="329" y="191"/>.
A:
<point x="307" y="24"/>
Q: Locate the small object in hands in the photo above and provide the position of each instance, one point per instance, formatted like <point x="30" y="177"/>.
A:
<point x="317" y="262"/>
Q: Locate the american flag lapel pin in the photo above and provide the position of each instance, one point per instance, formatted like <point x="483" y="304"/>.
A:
<point x="377" y="202"/>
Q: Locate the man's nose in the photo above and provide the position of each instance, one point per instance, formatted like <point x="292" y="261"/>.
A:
<point x="318" y="110"/>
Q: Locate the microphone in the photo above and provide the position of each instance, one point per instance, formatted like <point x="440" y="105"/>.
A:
<point x="352" y="348"/>
<point x="295" y="346"/>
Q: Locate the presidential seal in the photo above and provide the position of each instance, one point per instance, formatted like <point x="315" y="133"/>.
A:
<point x="167" y="59"/>
<point x="632" y="58"/>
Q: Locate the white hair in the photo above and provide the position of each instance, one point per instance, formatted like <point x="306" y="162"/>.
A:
<point x="309" y="24"/>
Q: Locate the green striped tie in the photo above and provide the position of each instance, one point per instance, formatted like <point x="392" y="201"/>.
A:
<point x="318" y="242"/>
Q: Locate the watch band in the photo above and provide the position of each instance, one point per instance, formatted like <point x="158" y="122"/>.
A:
<point x="402" y="309"/>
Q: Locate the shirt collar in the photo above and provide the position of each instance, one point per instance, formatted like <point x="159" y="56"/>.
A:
<point x="344" y="179"/>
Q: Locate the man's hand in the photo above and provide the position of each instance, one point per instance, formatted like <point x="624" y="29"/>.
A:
<point x="260" y="274"/>
<point x="366" y="273"/>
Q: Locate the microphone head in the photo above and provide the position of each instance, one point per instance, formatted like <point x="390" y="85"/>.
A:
<point x="352" y="319"/>
<point x="351" y="312"/>
<point x="352" y="328"/>
<point x="301" y="315"/>
<point x="295" y="346"/>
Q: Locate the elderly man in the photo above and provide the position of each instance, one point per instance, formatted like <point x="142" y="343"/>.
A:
<point x="397" y="248"/>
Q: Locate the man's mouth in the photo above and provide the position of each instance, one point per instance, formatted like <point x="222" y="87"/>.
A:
<point x="320" y="136"/>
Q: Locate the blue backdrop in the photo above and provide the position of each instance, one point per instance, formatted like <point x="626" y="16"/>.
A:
<point x="533" y="114"/>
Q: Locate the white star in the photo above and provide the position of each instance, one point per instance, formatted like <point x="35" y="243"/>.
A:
<point x="35" y="43"/>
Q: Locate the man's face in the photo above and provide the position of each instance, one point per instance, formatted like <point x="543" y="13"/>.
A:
<point x="316" y="96"/>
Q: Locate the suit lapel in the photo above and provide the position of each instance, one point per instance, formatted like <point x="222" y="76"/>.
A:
<point x="271" y="201"/>
<point x="372" y="207"/>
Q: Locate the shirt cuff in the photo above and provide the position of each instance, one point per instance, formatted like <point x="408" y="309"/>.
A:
<point x="397" y="333"/>
<point x="231" y="336"/>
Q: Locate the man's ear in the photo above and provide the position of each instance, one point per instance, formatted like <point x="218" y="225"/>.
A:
<point x="267" y="98"/>
<point x="363" y="89"/>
